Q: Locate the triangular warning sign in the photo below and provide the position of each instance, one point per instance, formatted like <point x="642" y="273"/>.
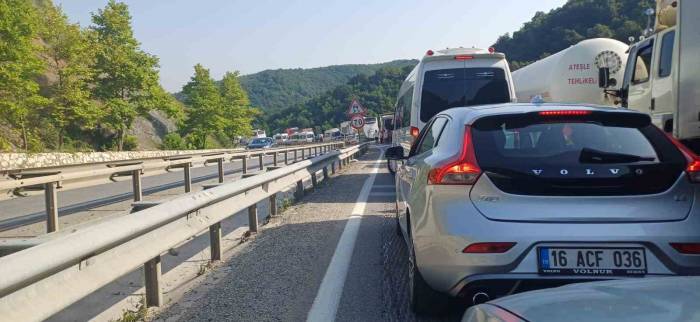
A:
<point x="356" y="109"/>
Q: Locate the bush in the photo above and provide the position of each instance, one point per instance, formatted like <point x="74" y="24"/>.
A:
<point x="5" y="145"/>
<point x="173" y="141"/>
<point x="131" y="143"/>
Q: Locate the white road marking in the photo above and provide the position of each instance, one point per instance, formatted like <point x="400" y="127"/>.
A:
<point x="327" y="299"/>
<point x="383" y="186"/>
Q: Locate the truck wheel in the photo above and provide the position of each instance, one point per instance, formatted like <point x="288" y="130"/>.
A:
<point x="423" y="299"/>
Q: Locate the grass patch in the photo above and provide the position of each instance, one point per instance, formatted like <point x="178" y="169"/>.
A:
<point x="140" y="313"/>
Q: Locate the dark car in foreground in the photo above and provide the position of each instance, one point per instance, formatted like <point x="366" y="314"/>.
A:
<point x="260" y="143"/>
<point x="663" y="299"/>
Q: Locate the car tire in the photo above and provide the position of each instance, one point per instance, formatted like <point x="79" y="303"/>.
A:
<point x="396" y="216"/>
<point x="398" y="228"/>
<point x="389" y="167"/>
<point x="423" y="299"/>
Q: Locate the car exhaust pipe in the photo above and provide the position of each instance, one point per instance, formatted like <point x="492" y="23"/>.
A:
<point x="480" y="297"/>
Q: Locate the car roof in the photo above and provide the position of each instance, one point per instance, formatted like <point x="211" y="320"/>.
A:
<point x="641" y="300"/>
<point x="471" y="113"/>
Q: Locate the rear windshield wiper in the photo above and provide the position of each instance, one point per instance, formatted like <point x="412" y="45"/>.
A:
<point x="594" y="156"/>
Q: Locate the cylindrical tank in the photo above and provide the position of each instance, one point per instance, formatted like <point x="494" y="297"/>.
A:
<point x="571" y="75"/>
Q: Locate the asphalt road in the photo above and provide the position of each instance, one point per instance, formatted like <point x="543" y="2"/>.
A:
<point x="22" y="211"/>
<point x="334" y="256"/>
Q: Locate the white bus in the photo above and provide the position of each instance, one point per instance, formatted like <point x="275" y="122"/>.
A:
<point x="371" y="128"/>
<point x="449" y="78"/>
<point x="259" y="134"/>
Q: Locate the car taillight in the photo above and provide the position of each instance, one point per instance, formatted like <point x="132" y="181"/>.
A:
<point x="414" y="132"/>
<point x="463" y="57"/>
<point x="687" y="248"/>
<point x="488" y="248"/>
<point x="565" y="113"/>
<point x="463" y="171"/>
<point x="693" y="168"/>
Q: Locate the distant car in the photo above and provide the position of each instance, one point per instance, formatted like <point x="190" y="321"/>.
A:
<point x="281" y="138"/>
<point x="260" y="143"/>
<point x="639" y="300"/>
<point x="496" y="199"/>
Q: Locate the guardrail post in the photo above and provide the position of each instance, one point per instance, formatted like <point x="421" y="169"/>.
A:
<point x="253" y="218"/>
<point x="136" y="185"/>
<point x="299" y="193"/>
<point x="261" y="160"/>
<point x="273" y="205"/>
<point x="151" y="269"/>
<point x="220" y="166"/>
<point x="245" y="164"/>
<point x="333" y="167"/>
<point x="215" y="241"/>
<point x="286" y="157"/>
<point x="302" y="154"/>
<point x="315" y="151"/>
<point x="152" y="272"/>
<point x="51" y="207"/>
<point x="325" y="173"/>
<point x="295" y="156"/>
<point x="188" y="177"/>
<point x="274" y="158"/>
<point x="314" y="180"/>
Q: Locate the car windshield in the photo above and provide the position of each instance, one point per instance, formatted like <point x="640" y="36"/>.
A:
<point x="540" y="156"/>
<point x="446" y="88"/>
<point x="563" y="143"/>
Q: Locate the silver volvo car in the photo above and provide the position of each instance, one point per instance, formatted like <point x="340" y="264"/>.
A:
<point x="498" y="199"/>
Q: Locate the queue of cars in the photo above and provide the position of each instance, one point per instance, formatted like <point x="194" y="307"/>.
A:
<point x="495" y="197"/>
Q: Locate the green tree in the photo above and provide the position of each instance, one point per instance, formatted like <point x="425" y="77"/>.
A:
<point x="126" y="78"/>
<point x="236" y="107"/>
<point x="19" y="66"/>
<point x="574" y="21"/>
<point x="599" y="31"/>
<point x="69" y="56"/>
<point x="204" y="107"/>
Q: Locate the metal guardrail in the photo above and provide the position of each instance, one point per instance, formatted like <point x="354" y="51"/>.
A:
<point x="38" y="282"/>
<point x="74" y="176"/>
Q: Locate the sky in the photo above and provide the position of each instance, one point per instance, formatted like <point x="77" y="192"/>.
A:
<point x="251" y="36"/>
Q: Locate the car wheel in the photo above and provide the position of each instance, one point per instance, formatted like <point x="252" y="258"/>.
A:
<point x="398" y="228"/>
<point x="390" y="167"/>
<point x="398" y="224"/>
<point x="423" y="299"/>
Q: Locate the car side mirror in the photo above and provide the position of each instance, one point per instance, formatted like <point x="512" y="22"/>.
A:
<point x="395" y="153"/>
<point x="604" y="77"/>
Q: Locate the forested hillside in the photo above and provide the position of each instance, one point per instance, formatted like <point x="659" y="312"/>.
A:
<point x="64" y="87"/>
<point x="273" y="90"/>
<point x="548" y="33"/>
<point x="376" y="92"/>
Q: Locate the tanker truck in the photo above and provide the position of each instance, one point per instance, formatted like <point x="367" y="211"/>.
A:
<point x="662" y="74"/>
<point x="572" y="75"/>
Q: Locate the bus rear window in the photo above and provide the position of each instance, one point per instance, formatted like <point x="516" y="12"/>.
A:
<point x="446" y="88"/>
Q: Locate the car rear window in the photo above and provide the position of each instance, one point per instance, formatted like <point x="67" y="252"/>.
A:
<point x="446" y="88"/>
<point x="538" y="155"/>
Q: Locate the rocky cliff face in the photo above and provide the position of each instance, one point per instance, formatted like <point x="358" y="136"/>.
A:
<point x="150" y="130"/>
